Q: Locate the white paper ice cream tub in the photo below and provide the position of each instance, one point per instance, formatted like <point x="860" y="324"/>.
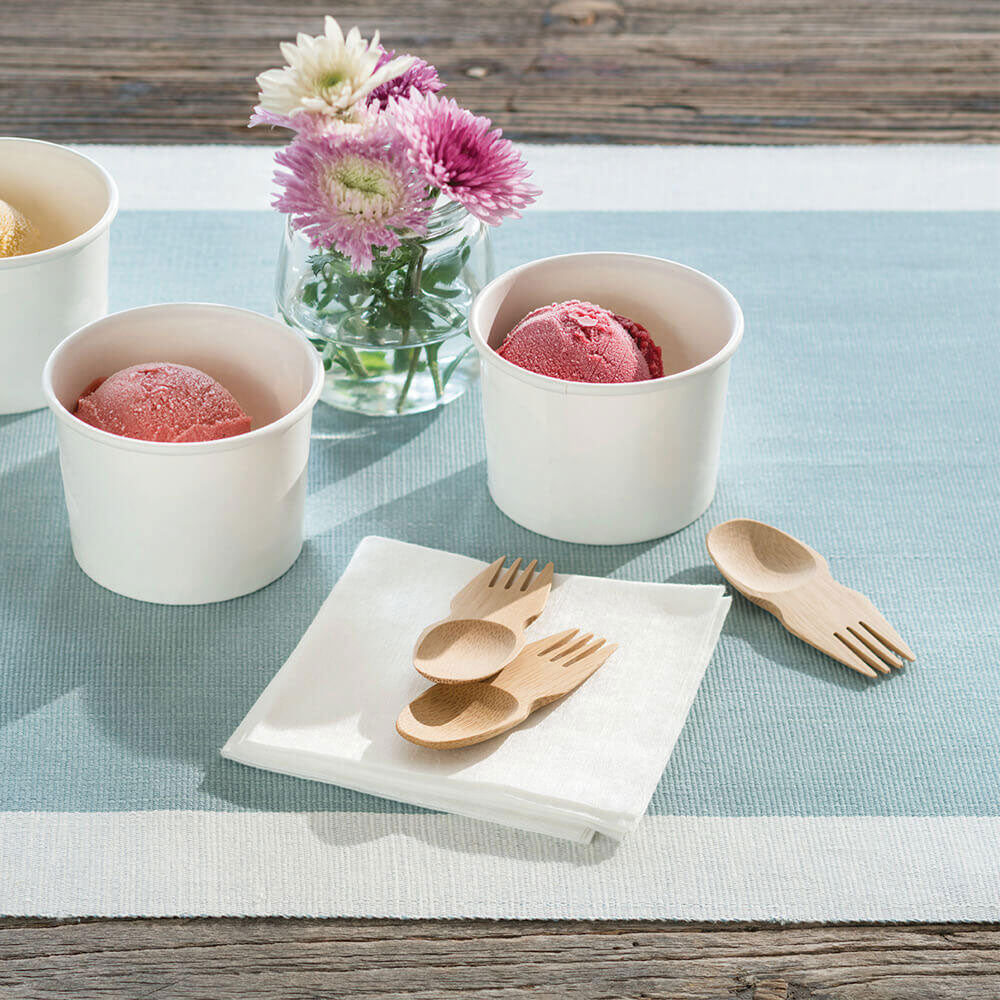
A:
<point x="48" y="294"/>
<point x="199" y="522"/>
<point x="608" y="464"/>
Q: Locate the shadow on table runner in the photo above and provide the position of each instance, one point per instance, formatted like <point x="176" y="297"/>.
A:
<point x="844" y="426"/>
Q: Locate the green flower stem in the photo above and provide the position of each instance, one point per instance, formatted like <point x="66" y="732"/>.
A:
<point x="432" y="363"/>
<point x="415" y="270"/>
<point x="405" y="294"/>
<point x="354" y="362"/>
<point x="410" y="372"/>
<point x="400" y="363"/>
<point x="455" y="362"/>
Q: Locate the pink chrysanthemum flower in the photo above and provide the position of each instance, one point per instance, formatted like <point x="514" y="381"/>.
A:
<point x="261" y="116"/>
<point x="458" y="152"/>
<point x="355" y="194"/>
<point x="421" y="76"/>
<point x="362" y="121"/>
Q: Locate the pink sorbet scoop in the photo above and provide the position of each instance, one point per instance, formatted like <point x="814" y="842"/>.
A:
<point x="159" y="401"/>
<point x="581" y="342"/>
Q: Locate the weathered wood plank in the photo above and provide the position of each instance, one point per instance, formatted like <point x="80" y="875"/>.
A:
<point x="499" y="960"/>
<point x="577" y="70"/>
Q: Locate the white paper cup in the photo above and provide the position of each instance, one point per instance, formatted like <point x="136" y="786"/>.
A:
<point x="50" y="293"/>
<point x="608" y="464"/>
<point x="199" y="522"/>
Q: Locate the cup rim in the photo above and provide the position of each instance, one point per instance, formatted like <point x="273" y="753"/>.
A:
<point x="568" y="387"/>
<point x="179" y="448"/>
<point x="88" y="235"/>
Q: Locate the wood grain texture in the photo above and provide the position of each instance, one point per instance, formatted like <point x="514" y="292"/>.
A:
<point x="448" y="716"/>
<point x="792" y="581"/>
<point x="485" y="626"/>
<point x="492" y="960"/>
<point x="760" y="71"/>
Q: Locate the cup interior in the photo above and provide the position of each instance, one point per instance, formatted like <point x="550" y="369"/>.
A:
<point x="689" y="316"/>
<point x="63" y="193"/>
<point x="269" y="368"/>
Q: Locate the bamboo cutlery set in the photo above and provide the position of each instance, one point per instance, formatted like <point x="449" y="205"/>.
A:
<point x="487" y="680"/>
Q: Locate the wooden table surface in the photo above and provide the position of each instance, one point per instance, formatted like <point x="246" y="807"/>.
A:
<point x="753" y="71"/>
<point x="687" y="71"/>
<point x="492" y="960"/>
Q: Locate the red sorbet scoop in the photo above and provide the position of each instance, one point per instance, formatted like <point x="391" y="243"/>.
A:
<point x="581" y="342"/>
<point x="159" y="401"/>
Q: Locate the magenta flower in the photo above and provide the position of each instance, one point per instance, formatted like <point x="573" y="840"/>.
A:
<point x="353" y="193"/>
<point x="421" y="76"/>
<point x="459" y="153"/>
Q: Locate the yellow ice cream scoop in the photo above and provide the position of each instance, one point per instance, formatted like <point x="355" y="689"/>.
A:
<point x="17" y="234"/>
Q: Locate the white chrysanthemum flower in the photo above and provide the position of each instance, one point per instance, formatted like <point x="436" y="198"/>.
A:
<point x="328" y="74"/>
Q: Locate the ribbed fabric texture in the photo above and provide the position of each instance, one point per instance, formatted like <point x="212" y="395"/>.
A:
<point x="863" y="417"/>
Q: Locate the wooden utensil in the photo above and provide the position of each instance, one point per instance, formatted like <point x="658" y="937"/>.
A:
<point x="793" y="582"/>
<point x="459" y="715"/>
<point x="485" y="629"/>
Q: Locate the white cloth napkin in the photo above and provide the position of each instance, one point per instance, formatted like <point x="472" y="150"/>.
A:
<point x="589" y="763"/>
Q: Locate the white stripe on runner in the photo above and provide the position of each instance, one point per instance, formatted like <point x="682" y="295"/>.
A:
<point x="179" y="863"/>
<point x="623" y="178"/>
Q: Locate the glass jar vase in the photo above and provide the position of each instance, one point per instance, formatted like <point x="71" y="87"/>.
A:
<point x="395" y="339"/>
